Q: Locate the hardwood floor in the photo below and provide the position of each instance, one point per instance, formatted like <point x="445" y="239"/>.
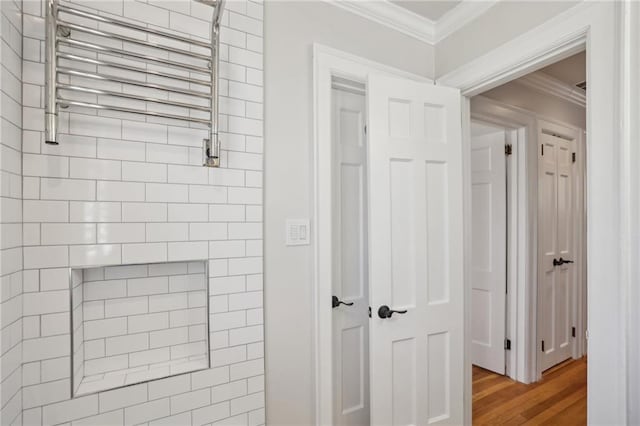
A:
<point x="560" y="398"/>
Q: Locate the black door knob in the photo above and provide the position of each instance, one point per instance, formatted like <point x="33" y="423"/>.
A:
<point x="561" y="261"/>
<point x="385" y="312"/>
<point x="335" y="302"/>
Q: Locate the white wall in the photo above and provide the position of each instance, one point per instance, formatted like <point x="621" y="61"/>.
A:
<point x="501" y="23"/>
<point x="542" y="104"/>
<point x="290" y="30"/>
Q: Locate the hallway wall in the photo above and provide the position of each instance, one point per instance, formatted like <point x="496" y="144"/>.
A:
<point x="500" y="24"/>
<point x="542" y="104"/>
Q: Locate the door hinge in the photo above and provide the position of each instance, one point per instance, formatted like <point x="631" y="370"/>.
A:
<point x="573" y="332"/>
<point x="369" y="311"/>
<point x="543" y="346"/>
<point x="507" y="344"/>
<point x="365" y="129"/>
<point x="542" y="149"/>
<point x="508" y="149"/>
<point x="573" y="157"/>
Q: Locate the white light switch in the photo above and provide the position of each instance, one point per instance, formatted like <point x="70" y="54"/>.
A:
<point x="297" y="232"/>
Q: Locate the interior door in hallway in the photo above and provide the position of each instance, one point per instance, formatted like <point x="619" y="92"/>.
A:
<point x="350" y="273"/>
<point x="555" y="242"/>
<point x="415" y="253"/>
<point x="489" y="247"/>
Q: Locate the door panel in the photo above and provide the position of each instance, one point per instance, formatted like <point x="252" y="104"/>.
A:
<point x="404" y="381"/>
<point x="403" y="243"/>
<point x="351" y="262"/>
<point x="415" y="252"/>
<point x="350" y="274"/>
<point x="488" y="256"/>
<point x="555" y="224"/>
<point x="437" y="232"/>
<point x="352" y="381"/>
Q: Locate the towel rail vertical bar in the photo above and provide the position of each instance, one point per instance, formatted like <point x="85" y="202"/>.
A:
<point x="212" y="145"/>
<point x="51" y="107"/>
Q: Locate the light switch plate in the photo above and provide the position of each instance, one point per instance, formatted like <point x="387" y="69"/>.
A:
<point x="298" y="232"/>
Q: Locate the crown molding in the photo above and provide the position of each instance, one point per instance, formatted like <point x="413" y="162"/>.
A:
<point x="392" y="16"/>
<point x="403" y="20"/>
<point x="460" y="16"/>
<point x="551" y="86"/>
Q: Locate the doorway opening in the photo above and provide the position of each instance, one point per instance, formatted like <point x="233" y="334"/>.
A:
<point x="389" y="210"/>
<point x="400" y="383"/>
<point x="528" y="249"/>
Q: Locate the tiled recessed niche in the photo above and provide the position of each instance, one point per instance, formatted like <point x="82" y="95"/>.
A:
<point x="135" y="323"/>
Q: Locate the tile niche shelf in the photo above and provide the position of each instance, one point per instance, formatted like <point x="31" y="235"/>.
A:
<point x="136" y="323"/>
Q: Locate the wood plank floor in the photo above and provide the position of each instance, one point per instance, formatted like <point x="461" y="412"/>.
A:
<point x="560" y="398"/>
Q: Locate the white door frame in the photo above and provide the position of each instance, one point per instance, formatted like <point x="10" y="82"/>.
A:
<point x="522" y="223"/>
<point x="329" y="63"/>
<point x="601" y="27"/>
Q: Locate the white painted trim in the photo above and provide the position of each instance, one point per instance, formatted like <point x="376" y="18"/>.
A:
<point x="392" y="16"/>
<point x="419" y="27"/>
<point x="580" y="244"/>
<point x="594" y="24"/>
<point x="329" y="62"/>
<point x="523" y="220"/>
<point x="343" y="59"/>
<point x="630" y="105"/>
<point x="552" y="86"/>
<point x="460" y="16"/>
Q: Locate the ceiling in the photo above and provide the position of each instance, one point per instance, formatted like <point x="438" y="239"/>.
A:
<point x="571" y="70"/>
<point x="430" y="9"/>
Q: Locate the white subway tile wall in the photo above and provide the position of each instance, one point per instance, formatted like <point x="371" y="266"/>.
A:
<point x="112" y="349"/>
<point x="12" y="326"/>
<point x="124" y="189"/>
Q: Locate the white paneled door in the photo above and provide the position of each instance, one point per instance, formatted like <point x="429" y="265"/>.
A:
<point x="555" y="242"/>
<point x="415" y="253"/>
<point x="488" y="250"/>
<point x="350" y="284"/>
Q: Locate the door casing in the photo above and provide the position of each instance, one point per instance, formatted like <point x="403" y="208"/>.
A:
<point x="330" y="63"/>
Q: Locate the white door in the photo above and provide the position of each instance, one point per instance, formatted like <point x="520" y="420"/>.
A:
<point x="350" y="283"/>
<point x="489" y="249"/>
<point x="555" y="212"/>
<point x="415" y="252"/>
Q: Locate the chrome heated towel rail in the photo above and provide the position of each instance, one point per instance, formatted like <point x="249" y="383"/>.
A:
<point x="104" y="63"/>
